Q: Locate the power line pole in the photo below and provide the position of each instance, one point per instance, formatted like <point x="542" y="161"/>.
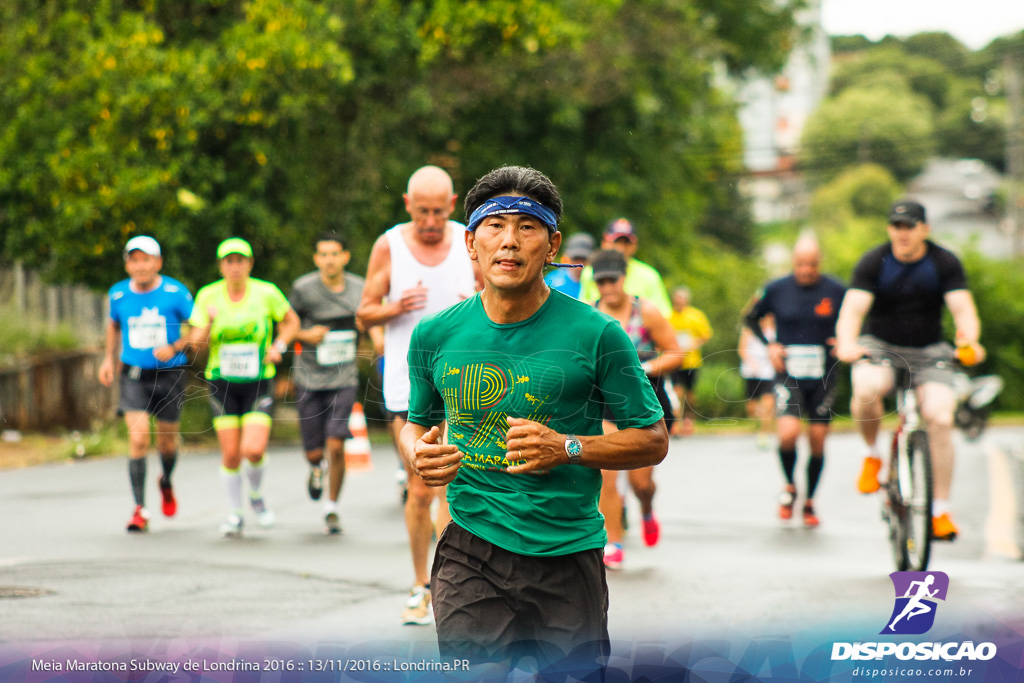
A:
<point x="1015" y="149"/>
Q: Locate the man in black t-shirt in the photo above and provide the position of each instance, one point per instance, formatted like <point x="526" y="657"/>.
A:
<point x="805" y="305"/>
<point x="897" y="293"/>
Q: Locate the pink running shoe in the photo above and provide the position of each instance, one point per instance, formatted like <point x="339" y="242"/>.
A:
<point x="613" y="556"/>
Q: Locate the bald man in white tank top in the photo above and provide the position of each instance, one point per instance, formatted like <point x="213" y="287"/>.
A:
<point x="416" y="269"/>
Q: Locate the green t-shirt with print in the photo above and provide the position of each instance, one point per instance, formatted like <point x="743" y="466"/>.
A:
<point x="241" y="331"/>
<point x="560" y="367"/>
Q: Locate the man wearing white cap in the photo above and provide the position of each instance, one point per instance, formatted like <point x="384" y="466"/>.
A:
<point x="147" y="312"/>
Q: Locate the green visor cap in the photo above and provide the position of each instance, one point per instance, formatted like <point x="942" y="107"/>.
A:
<point x="234" y="245"/>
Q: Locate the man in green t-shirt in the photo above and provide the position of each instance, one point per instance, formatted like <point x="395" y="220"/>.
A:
<point x="521" y="374"/>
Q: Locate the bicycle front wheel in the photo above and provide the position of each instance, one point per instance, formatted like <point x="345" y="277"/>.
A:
<point x="915" y="482"/>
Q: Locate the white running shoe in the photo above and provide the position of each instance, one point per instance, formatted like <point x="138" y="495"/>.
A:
<point x="265" y="517"/>
<point x="232" y="527"/>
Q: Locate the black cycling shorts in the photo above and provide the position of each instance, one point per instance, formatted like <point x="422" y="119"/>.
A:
<point x="235" y="399"/>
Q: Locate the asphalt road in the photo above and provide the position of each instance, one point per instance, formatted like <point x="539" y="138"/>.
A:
<point x="725" y="564"/>
<point x="954" y="193"/>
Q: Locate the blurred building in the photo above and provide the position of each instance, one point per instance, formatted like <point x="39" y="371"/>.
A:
<point x="773" y="111"/>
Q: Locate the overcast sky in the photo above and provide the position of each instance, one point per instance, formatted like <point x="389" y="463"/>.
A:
<point x="972" y="22"/>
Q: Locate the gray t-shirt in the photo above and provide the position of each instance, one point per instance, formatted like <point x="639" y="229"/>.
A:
<point x="331" y="364"/>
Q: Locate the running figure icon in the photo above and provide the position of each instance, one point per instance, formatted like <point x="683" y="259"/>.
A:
<point x="915" y="605"/>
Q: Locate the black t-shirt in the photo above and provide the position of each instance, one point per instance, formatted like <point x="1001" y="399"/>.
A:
<point x="907" y="310"/>
<point x="803" y="314"/>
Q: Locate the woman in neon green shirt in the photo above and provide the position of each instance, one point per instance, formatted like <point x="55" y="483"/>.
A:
<point x="236" y="317"/>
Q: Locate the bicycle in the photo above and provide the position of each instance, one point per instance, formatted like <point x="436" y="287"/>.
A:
<point x="907" y="506"/>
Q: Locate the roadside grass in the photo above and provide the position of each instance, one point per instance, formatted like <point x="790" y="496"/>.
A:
<point x="21" y="335"/>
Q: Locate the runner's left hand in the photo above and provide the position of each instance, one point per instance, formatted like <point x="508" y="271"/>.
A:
<point x="536" y="448"/>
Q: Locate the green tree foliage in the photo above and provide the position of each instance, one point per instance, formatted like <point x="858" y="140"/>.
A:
<point x="113" y="130"/>
<point x="963" y="88"/>
<point x="842" y="45"/>
<point x="941" y="47"/>
<point x="884" y="122"/>
<point x="996" y="288"/>
<point x="848" y="215"/>
<point x="274" y="119"/>
<point x="924" y="76"/>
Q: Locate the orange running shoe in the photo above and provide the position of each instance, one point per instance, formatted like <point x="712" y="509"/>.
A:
<point x="868" y="481"/>
<point x="943" y="528"/>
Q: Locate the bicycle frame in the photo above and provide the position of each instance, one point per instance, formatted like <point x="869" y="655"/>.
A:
<point x="909" y="489"/>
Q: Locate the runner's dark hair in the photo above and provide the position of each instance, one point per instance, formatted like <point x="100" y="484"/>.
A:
<point x="330" y="236"/>
<point x="515" y="181"/>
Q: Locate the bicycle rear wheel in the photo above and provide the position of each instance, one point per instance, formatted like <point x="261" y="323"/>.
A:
<point x="915" y="482"/>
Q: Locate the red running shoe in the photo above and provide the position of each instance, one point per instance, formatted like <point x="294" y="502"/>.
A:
<point x="786" y="501"/>
<point x="170" y="503"/>
<point x="810" y="519"/>
<point x="652" y="530"/>
<point x="139" y="520"/>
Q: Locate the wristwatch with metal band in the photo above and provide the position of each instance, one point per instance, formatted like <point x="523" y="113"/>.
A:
<point x="573" y="449"/>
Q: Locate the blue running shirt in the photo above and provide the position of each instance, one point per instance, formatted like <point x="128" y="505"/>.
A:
<point x="149" y="321"/>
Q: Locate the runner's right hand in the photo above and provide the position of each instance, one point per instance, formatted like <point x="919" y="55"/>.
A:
<point x="436" y="463"/>
<point x="316" y="334"/>
<point x="850" y="352"/>
<point x="106" y="373"/>
<point x="413" y="298"/>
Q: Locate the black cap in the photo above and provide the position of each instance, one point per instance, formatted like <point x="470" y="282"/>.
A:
<point x="579" y="246"/>
<point x="608" y="263"/>
<point x="906" y="211"/>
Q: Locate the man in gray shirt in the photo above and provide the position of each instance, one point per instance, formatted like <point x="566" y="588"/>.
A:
<point x="326" y="376"/>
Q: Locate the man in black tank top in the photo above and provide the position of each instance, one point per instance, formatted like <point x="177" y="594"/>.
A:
<point x="897" y="294"/>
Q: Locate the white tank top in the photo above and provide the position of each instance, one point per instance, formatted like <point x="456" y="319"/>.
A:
<point x="447" y="283"/>
<point x="758" y="362"/>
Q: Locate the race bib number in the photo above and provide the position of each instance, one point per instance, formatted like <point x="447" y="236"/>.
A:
<point x="240" y="361"/>
<point x="685" y="341"/>
<point x="338" y="346"/>
<point x="147" y="331"/>
<point x="805" y="361"/>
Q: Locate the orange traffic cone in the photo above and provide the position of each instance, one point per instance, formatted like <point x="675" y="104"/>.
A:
<point x="357" y="449"/>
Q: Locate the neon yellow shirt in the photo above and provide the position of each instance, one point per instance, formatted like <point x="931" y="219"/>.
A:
<point x="641" y="280"/>
<point x="692" y="328"/>
<point x="240" y="331"/>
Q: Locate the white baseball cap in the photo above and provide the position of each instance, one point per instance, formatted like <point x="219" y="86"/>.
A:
<point x="143" y="243"/>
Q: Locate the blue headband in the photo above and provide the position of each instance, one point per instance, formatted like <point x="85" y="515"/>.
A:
<point x="513" y="205"/>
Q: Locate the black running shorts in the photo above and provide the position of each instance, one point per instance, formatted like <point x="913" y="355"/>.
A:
<point x="158" y="392"/>
<point x="809" y="399"/>
<point x="685" y="378"/>
<point x="323" y="414"/>
<point x="493" y="605"/>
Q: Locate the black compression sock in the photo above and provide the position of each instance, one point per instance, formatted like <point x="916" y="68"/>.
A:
<point x="814" y="467"/>
<point x="788" y="460"/>
<point x="137" y="475"/>
<point x="168" y="461"/>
